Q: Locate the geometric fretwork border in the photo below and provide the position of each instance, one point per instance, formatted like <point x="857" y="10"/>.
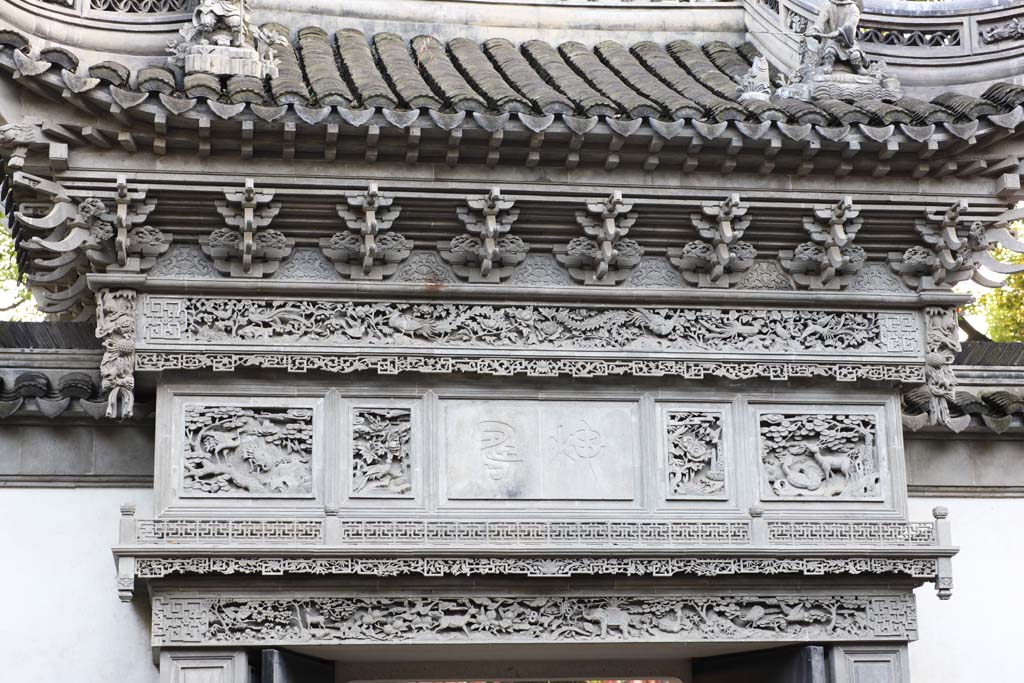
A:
<point x="155" y="568"/>
<point x="278" y="619"/>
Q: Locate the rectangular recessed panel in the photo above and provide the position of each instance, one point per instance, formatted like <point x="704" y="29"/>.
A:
<point x="540" y="450"/>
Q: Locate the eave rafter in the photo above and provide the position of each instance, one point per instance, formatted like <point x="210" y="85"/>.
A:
<point x="159" y="123"/>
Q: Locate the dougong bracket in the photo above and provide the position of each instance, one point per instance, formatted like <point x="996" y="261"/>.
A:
<point x="367" y="250"/>
<point x="603" y="257"/>
<point x="249" y="249"/>
<point x="723" y="262"/>
<point x="488" y="253"/>
<point x="830" y="260"/>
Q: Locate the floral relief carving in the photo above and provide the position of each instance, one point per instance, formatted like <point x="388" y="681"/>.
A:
<point x="488" y="619"/>
<point x="250" y="452"/>
<point x="240" y="321"/>
<point x="696" y="465"/>
<point x="820" y="456"/>
<point x="381" y="452"/>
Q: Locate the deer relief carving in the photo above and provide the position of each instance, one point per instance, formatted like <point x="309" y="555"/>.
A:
<point x="604" y="256"/>
<point x="367" y="250"/>
<point x="722" y="260"/>
<point x="956" y="250"/>
<point x="488" y="253"/>
<point x="247" y="248"/>
<point x="830" y="260"/>
<point x="820" y="456"/>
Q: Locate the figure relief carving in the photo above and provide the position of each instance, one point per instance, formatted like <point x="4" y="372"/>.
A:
<point x="696" y="466"/>
<point x="115" y="325"/>
<point x="247" y="452"/>
<point x="247" y="248"/>
<point x="832" y="63"/>
<point x="955" y="250"/>
<point x="382" y="452"/>
<point x="1008" y="30"/>
<point x="830" y="260"/>
<point x="488" y="253"/>
<point x="604" y="256"/>
<point x="367" y="250"/>
<point x="820" y="456"/>
<point x="103" y="232"/>
<point x="489" y="619"/>
<point x="725" y="257"/>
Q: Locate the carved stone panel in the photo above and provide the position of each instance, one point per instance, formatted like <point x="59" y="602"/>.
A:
<point x="382" y="452"/>
<point x="823" y="456"/>
<point x="310" y="618"/>
<point x="246" y="451"/>
<point x="695" y="454"/>
<point x="540" y="450"/>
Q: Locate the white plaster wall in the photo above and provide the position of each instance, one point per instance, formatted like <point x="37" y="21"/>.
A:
<point x="977" y="635"/>
<point x="60" y="618"/>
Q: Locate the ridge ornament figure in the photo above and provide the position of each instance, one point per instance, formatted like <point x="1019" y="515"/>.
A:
<point x="836" y="28"/>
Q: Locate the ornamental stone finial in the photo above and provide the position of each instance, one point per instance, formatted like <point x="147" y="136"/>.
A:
<point x="220" y="41"/>
<point x="832" y="63"/>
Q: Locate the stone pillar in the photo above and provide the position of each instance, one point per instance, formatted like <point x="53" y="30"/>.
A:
<point x="869" y="664"/>
<point x="203" y="666"/>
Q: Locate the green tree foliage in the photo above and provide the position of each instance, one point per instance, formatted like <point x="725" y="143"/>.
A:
<point x="1003" y="308"/>
<point x="15" y="300"/>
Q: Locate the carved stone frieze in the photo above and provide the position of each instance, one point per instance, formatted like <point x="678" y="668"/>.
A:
<point x="833" y="456"/>
<point x="248" y="452"/>
<point x="488" y="253"/>
<point x="247" y="247"/>
<point x="382" y="452"/>
<point x="696" y="467"/>
<point x="725" y="257"/>
<point x="367" y="250"/>
<point x="439" y="618"/>
<point x="532" y="367"/>
<point x="1007" y="30"/>
<point x="160" y="567"/>
<point x="455" y="325"/>
<point x="830" y="260"/>
<point x="115" y="325"/>
<point x="604" y="256"/>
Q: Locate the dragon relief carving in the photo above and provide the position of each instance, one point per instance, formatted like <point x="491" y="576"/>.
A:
<point x="367" y="250"/>
<point x="103" y="232"/>
<point x="723" y="261"/>
<point x="488" y="619"/>
<point x="820" y="456"/>
<point x="215" y="320"/>
<point x="830" y="260"/>
<point x="245" y="451"/>
<point x="956" y="251"/>
<point x="246" y="247"/>
<point x="381" y="452"/>
<point x="604" y="256"/>
<point x="696" y="466"/>
<point x="928" y="404"/>
<point x="488" y="253"/>
<point x="115" y="325"/>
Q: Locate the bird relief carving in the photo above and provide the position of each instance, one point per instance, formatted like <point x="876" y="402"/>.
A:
<point x="488" y="253"/>
<point x="381" y="452"/>
<point x="604" y="256"/>
<point x="820" y="456"/>
<point x="368" y="250"/>
<point x="247" y="452"/>
<point x="956" y="250"/>
<point x="725" y="257"/>
<point x="831" y="259"/>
